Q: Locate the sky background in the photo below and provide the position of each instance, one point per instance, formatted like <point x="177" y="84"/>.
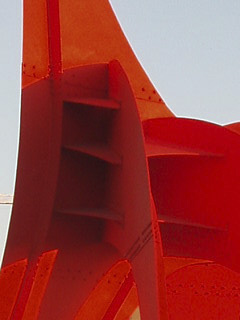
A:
<point x="190" y="49"/>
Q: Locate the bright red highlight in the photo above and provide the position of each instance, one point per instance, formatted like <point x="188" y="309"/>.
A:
<point x="43" y="272"/>
<point x="120" y="297"/>
<point x="23" y="287"/>
<point x="11" y="278"/>
<point x="101" y="298"/>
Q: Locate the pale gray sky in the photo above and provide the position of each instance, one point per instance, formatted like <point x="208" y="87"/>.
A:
<point x="10" y="62"/>
<point x="189" y="48"/>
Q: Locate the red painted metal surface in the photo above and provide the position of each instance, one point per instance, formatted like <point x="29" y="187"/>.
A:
<point x="102" y="296"/>
<point x="119" y="298"/>
<point x="111" y="194"/>
<point x="204" y="291"/>
<point x="196" y="202"/>
<point x="11" y="278"/>
<point x="33" y="288"/>
<point x="54" y="39"/>
<point x="235" y="127"/>
<point x="102" y="196"/>
<point x="91" y="199"/>
<point x="90" y="34"/>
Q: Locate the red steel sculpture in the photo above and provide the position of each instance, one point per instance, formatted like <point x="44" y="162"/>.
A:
<point x="118" y="203"/>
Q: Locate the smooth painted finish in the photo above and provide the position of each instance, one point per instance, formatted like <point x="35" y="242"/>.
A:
<point x="90" y="187"/>
<point x="94" y="102"/>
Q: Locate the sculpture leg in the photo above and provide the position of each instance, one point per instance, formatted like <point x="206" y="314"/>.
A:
<point x="149" y="276"/>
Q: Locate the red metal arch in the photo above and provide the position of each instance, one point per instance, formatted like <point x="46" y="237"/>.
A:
<point x="100" y="187"/>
